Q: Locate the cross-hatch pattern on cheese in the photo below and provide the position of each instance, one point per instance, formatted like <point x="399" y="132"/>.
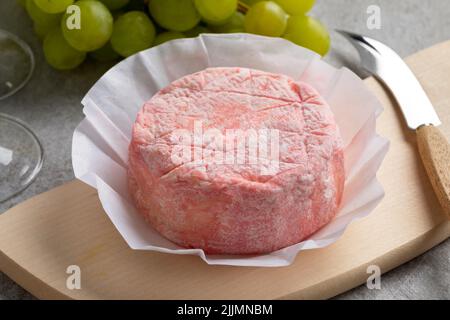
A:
<point x="237" y="208"/>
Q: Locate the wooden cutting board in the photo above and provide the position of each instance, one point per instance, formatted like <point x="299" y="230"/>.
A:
<point x="42" y="237"/>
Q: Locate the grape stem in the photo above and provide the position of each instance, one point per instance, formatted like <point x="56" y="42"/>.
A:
<point x="243" y="7"/>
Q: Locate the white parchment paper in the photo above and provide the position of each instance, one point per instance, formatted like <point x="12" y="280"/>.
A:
<point x="100" y="142"/>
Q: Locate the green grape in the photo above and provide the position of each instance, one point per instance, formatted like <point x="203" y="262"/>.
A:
<point x="59" y="53"/>
<point x="105" y="53"/>
<point x="42" y="26"/>
<point x="96" y="25"/>
<point x="296" y="7"/>
<point x="234" y="24"/>
<point x="250" y="2"/>
<point x="53" y="6"/>
<point x="133" y="32"/>
<point x="196" y="31"/>
<point x="216" y="12"/>
<point x="175" y="15"/>
<point x="39" y="16"/>
<point x="41" y="29"/>
<point x="167" y="36"/>
<point x="115" y="4"/>
<point x="266" y="18"/>
<point x="309" y="33"/>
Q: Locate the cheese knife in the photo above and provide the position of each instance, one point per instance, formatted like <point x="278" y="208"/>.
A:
<point x="387" y="67"/>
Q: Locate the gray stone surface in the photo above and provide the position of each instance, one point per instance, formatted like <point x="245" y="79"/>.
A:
<point x="50" y="103"/>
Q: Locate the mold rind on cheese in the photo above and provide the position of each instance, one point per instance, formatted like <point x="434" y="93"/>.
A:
<point x="233" y="208"/>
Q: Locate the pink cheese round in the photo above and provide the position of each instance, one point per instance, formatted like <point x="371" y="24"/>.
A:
<point x="236" y="206"/>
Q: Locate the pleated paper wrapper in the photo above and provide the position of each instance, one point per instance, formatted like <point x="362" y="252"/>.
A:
<point x="100" y="142"/>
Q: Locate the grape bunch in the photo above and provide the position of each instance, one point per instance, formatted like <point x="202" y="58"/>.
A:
<point x="108" y="30"/>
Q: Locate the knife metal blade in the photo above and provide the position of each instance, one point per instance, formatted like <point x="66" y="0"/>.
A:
<point x="434" y="149"/>
<point x="387" y="66"/>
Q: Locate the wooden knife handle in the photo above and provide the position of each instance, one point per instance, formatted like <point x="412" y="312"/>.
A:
<point x="435" y="152"/>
